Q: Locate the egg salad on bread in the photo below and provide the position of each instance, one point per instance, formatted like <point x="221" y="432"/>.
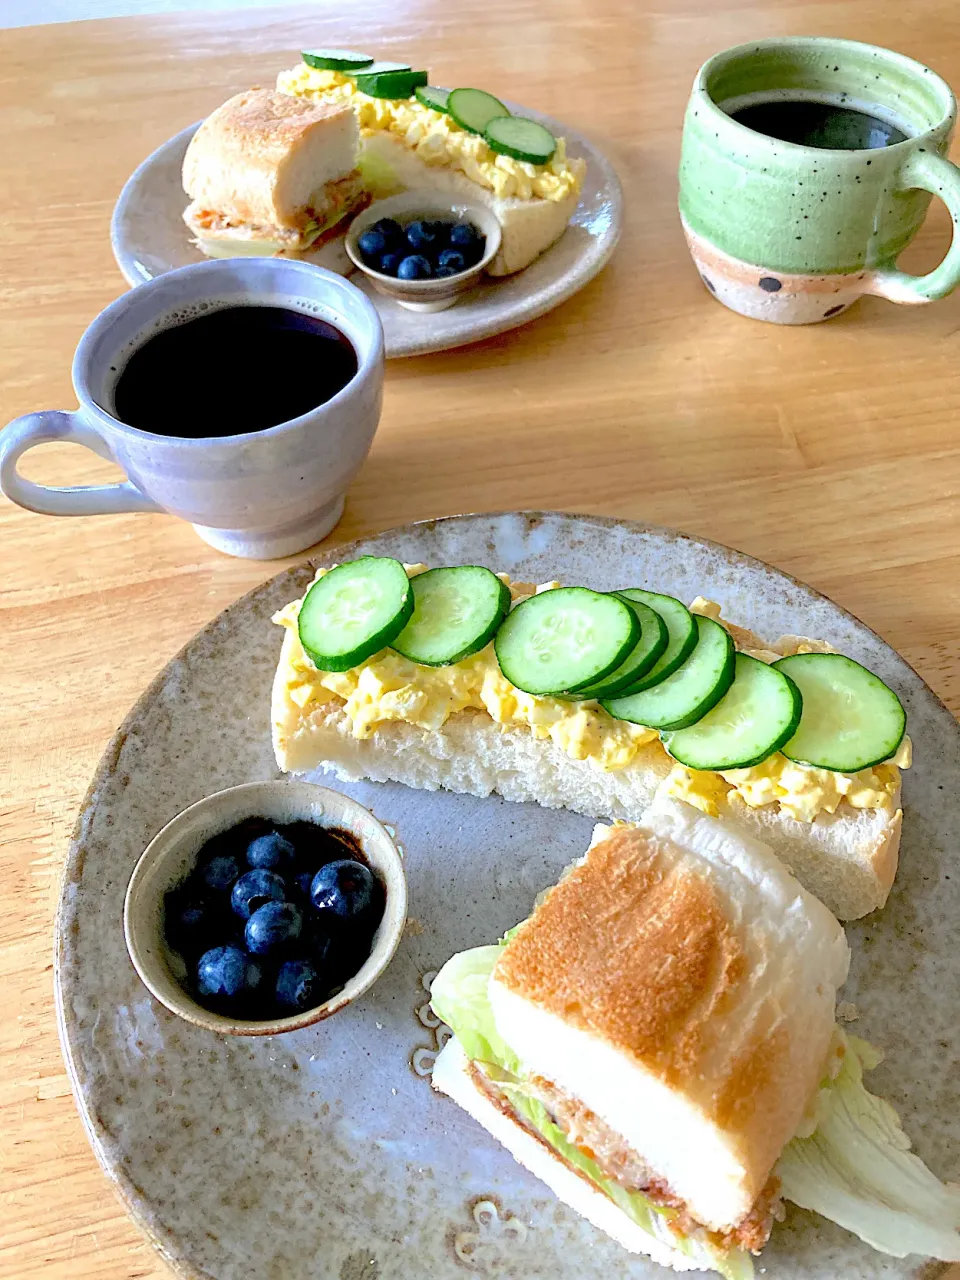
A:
<point x="389" y="687"/>
<point x="406" y="144"/>
<point x="463" y="726"/>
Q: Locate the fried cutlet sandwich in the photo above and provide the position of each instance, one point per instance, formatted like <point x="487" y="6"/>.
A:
<point x="268" y="174"/>
<point x="657" y="1043"/>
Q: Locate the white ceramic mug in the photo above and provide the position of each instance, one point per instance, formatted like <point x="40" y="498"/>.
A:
<point x="263" y="494"/>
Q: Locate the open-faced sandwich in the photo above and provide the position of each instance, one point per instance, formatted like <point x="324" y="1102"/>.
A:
<point x="463" y="143"/>
<point x="268" y="174"/>
<point x="657" y="1044"/>
<point x="459" y="678"/>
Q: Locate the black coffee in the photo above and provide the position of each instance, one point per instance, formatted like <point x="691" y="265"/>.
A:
<point x="233" y="371"/>
<point x="819" y="124"/>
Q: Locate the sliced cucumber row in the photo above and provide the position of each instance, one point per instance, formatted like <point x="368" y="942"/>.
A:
<point x="644" y="656"/>
<point x="456" y="612"/>
<point x="754" y="718"/>
<point x="686" y="696"/>
<point x="850" y="721"/>
<point x="564" y="638"/>
<point x="473" y="109"/>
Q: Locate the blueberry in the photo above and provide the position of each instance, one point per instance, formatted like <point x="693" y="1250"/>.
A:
<point x="372" y="245"/>
<point x="270" y="852"/>
<point x="420" y="236"/>
<point x="390" y="263"/>
<point x="254" y="888"/>
<point x="463" y="236"/>
<point x="442" y="273"/>
<point x="299" y="985"/>
<point x="191" y="921"/>
<point x="453" y="258"/>
<point x="220" y="873"/>
<point x="415" y="267"/>
<point x="391" y="231"/>
<point x="273" y="926"/>
<point x="343" y="889"/>
<point x="304" y="880"/>
<point x="227" y="971"/>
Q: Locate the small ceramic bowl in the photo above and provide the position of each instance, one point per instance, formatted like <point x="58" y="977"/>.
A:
<point x="173" y="853"/>
<point x="410" y="206"/>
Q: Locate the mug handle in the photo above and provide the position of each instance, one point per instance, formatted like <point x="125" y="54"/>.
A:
<point x="930" y="172"/>
<point x="73" y="500"/>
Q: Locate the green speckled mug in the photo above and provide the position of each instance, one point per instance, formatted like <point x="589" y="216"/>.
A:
<point x="794" y="234"/>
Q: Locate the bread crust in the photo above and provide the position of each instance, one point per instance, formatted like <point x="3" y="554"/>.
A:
<point x="679" y="954"/>
<point x="235" y="162"/>
<point x="634" y="946"/>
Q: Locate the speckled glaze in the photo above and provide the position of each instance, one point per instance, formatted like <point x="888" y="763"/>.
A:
<point x="323" y="1154"/>
<point x="149" y="238"/>
<point x="767" y="221"/>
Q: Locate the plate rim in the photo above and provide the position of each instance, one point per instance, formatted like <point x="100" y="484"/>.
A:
<point x="74" y="860"/>
<point x="605" y="244"/>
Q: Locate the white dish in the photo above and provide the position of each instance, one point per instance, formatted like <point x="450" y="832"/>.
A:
<point x="149" y="237"/>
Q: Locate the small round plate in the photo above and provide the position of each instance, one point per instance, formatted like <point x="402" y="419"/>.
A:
<point x="149" y="237"/>
<point x="324" y="1154"/>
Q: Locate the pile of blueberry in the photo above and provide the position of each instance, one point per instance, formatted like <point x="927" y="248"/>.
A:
<point x="422" y="250"/>
<point x="274" y="918"/>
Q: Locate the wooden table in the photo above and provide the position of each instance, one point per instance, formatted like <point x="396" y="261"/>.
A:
<point x="831" y="451"/>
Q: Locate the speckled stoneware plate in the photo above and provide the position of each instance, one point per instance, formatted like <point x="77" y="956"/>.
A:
<point x="149" y="237"/>
<point x="324" y="1154"/>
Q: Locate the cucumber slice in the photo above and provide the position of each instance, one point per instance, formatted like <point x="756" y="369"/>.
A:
<point x="354" y="611"/>
<point x="335" y="59"/>
<point x="686" y="696"/>
<point x="455" y="613"/>
<point x="754" y="718"/>
<point x="652" y="642"/>
<point x="851" y="719"/>
<point x="430" y="96"/>
<point x="473" y="109"/>
<point x="566" y="637"/>
<point x="682" y="636"/>
<point x="378" y="68"/>
<point x="391" y="84"/>
<point x="520" y="138"/>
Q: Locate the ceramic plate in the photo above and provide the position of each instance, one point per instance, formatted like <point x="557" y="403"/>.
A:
<point x="149" y="237"/>
<point x="324" y="1154"/>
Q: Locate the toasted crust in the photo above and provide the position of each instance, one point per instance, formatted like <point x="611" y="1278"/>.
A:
<point x="236" y="161"/>
<point x="678" y="964"/>
<point x="634" y="947"/>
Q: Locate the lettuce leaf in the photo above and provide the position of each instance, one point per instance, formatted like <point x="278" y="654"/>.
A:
<point x="856" y="1168"/>
<point x="459" y="996"/>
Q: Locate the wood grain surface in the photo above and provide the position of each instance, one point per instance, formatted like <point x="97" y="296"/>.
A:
<point x="831" y="451"/>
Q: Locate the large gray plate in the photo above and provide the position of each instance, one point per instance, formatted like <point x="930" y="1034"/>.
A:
<point x="149" y="238"/>
<point x="323" y="1155"/>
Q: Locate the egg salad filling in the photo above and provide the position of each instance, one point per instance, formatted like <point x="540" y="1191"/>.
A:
<point x="438" y="140"/>
<point x="390" y="687"/>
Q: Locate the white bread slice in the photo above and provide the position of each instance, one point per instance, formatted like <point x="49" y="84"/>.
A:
<point x="847" y="859"/>
<point x="682" y="986"/>
<point x="267" y="159"/>
<point x="528" y="227"/>
<point x="451" y="1075"/>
